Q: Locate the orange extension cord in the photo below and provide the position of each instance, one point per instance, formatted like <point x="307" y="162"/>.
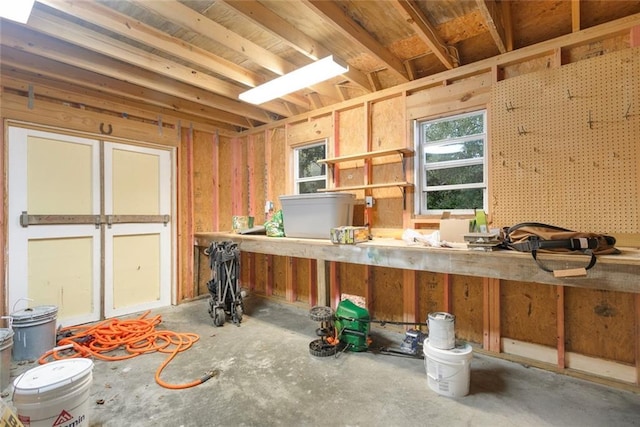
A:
<point x="135" y="336"/>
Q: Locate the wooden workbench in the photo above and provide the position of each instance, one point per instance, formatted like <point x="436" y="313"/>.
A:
<point x="612" y="272"/>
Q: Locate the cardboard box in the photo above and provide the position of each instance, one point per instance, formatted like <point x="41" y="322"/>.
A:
<point x="349" y="235"/>
<point x="453" y="230"/>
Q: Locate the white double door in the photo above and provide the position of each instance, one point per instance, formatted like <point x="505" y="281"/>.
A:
<point x="89" y="226"/>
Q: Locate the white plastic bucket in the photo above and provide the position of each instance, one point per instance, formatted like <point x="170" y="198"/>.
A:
<point x="448" y="371"/>
<point x="442" y="330"/>
<point x="54" y="394"/>
<point x="35" y="331"/>
<point x="6" y="342"/>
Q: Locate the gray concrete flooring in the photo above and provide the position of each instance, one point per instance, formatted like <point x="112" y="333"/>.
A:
<point x="266" y="377"/>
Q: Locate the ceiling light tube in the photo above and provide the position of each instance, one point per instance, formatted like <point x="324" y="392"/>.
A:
<point x="306" y="76"/>
<point x="16" y="10"/>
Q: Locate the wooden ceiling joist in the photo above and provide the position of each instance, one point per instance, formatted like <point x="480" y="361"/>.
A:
<point x="575" y="15"/>
<point x="336" y="17"/>
<point x="116" y="22"/>
<point x="183" y="15"/>
<point x="494" y="18"/>
<point x="48" y="47"/>
<point x="427" y="33"/>
<point x="290" y="35"/>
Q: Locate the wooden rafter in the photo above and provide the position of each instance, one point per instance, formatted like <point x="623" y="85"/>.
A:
<point x="492" y="14"/>
<point x="47" y="47"/>
<point x="337" y="19"/>
<point x="425" y="31"/>
<point x="296" y="39"/>
<point x="575" y="15"/>
<point x="114" y="21"/>
<point x="185" y="16"/>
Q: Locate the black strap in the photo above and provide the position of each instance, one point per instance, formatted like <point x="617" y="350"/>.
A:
<point x="592" y="262"/>
<point x="579" y="244"/>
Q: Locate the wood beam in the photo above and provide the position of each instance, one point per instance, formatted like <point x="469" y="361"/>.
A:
<point x="189" y="18"/>
<point x="507" y="23"/>
<point x="492" y="15"/>
<point x="275" y="25"/>
<point x="575" y="16"/>
<point x="411" y="12"/>
<point x="105" y="45"/>
<point x="338" y="20"/>
<point x="124" y="25"/>
<point x="25" y="40"/>
<point x="70" y="92"/>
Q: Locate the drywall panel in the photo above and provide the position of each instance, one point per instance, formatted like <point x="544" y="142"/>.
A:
<point x="564" y="146"/>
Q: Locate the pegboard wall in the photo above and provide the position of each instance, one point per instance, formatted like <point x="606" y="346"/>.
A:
<point x="565" y="146"/>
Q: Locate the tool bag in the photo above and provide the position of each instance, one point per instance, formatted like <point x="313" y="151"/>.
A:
<point x="534" y="236"/>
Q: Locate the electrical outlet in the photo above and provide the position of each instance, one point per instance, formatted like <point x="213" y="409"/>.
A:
<point x="368" y="201"/>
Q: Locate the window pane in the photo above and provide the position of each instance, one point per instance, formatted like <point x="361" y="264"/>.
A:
<point x="307" y="161"/>
<point x="454" y="176"/>
<point x="455" y="151"/>
<point x="310" y="186"/>
<point x="455" y="199"/>
<point x="454" y="128"/>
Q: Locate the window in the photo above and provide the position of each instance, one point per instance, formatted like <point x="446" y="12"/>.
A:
<point x="309" y="174"/>
<point x="451" y="164"/>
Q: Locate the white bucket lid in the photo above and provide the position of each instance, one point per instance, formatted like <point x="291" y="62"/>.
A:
<point x="5" y="335"/>
<point x="35" y="313"/>
<point x="441" y="315"/>
<point x="52" y="376"/>
<point x="462" y="351"/>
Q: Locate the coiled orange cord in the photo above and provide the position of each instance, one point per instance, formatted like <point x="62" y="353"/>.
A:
<point x="134" y="336"/>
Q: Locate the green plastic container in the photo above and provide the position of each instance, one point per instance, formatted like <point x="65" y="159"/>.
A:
<point x="352" y="324"/>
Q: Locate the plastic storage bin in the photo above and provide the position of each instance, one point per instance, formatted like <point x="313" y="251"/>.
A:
<point x="313" y="215"/>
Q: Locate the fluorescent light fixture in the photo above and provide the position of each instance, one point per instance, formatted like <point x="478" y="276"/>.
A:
<point x="16" y="10"/>
<point x="319" y="71"/>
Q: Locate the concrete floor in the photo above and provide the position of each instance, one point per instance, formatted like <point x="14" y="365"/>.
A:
<point x="266" y="377"/>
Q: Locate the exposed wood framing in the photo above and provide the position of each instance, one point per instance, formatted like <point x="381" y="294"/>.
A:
<point x="313" y="282"/>
<point x="447" y="283"/>
<point x="409" y="296"/>
<point x="358" y="36"/>
<point x="189" y="18"/>
<point x="492" y="14"/>
<point x="561" y="335"/>
<point x="420" y="23"/>
<point x="3" y="243"/>
<point x="575" y="15"/>
<point x="291" y="284"/>
<point x="290" y="35"/>
<point x="491" y="315"/>
<point x="334" y="284"/>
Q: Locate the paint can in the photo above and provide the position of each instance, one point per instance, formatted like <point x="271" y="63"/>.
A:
<point x="448" y="371"/>
<point x="6" y="342"/>
<point x="35" y="331"/>
<point x="442" y="330"/>
<point x="54" y="394"/>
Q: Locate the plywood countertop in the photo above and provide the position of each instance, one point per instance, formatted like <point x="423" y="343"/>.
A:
<point x="612" y="272"/>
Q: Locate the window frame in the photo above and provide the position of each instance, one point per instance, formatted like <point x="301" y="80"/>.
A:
<point x="296" y="167"/>
<point x="422" y="166"/>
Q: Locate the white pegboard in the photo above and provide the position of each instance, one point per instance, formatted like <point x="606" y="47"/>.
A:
<point x="565" y="146"/>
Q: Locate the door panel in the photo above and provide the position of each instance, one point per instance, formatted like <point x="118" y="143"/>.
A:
<point x="138" y="261"/>
<point x="52" y="174"/>
<point x="61" y="219"/>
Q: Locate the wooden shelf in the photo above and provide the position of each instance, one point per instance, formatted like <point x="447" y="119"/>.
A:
<point x="367" y="187"/>
<point x="369" y="155"/>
